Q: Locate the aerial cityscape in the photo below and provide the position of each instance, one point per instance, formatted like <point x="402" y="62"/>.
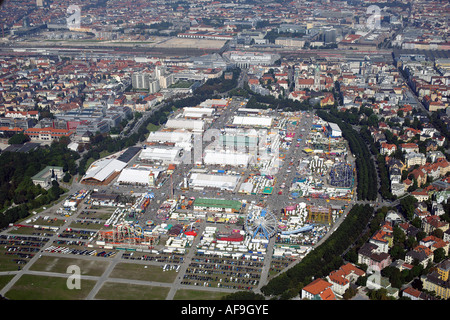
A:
<point x="225" y="150"/>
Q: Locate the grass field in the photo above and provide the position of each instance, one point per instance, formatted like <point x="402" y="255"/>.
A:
<point x="6" y="261"/>
<point x="87" y="225"/>
<point x="5" y="279"/>
<point x="135" y="271"/>
<point x="126" y="291"/>
<point x="185" y="294"/>
<point x="31" y="287"/>
<point x="60" y="265"/>
<point x="29" y="231"/>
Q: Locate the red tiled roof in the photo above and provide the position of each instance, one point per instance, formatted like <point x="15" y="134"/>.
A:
<point x="317" y="286"/>
<point x="327" y="295"/>
<point x="350" y="268"/>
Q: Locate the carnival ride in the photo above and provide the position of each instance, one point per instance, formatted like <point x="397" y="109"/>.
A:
<point x="341" y="175"/>
<point x="306" y="228"/>
<point x="128" y="234"/>
<point x="261" y="224"/>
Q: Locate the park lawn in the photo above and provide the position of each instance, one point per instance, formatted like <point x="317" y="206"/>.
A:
<point x="127" y="291"/>
<point x="31" y="287"/>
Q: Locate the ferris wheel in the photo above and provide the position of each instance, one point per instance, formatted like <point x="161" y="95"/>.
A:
<point x="261" y="224"/>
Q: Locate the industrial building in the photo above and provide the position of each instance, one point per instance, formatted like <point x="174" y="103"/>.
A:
<point x="209" y="61"/>
<point x="246" y="59"/>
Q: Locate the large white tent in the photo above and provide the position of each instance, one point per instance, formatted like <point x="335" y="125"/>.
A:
<point x="196" y="112"/>
<point x="169" y="137"/>
<point x="226" y="158"/>
<point x="205" y="180"/>
<point x="255" y="121"/>
<point x="188" y="124"/>
<point x="137" y="176"/>
<point x="102" y="170"/>
<point x="162" y="154"/>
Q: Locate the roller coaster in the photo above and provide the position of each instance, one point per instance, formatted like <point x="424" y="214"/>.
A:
<point x="128" y="234"/>
<point x="306" y="228"/>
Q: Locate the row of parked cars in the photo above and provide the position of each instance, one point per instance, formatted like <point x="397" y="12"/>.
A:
<point x="66" y="250"/>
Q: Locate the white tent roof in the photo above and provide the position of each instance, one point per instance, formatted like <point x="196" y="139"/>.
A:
<point x="213" y="180"/>
<point x="103" y="168"/>
<point x="164" y="154"/>
<point x="197" y="111"/>
<point x="252" y="121"/>
<point x="185" y="124"/>
<point x="168" y="136"/>
<point x="136" y="175"/>
<point x="227" y="158"/>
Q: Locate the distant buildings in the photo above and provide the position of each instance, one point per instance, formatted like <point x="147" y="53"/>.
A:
<point x="145" y="81"/>
<point x="247" y="59"/>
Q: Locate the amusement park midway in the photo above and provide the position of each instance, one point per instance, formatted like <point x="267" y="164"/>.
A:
<point x="213" y="239"/>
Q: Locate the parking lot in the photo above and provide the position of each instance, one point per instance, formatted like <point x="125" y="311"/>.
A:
<point x="17" y="250"/>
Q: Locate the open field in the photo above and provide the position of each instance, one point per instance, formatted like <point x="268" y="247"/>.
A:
<point x="136" y="271"/>
<point x="185" y="294"/>
<point x="60" y="265"/>
<point x="4" y="280"/>
<point x="31" y="287"/>
<point x="122" y="291"/>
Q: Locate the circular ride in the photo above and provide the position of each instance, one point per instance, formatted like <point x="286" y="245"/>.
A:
<point x="261" y="224"/>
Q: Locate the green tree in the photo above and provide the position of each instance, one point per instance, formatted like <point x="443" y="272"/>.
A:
<point x="439" y="255"/>
<point x="67" y="177"/>
<point x="18" y="138"/>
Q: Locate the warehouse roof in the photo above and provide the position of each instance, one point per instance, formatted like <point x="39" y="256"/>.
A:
<point x="128" y="154"/>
